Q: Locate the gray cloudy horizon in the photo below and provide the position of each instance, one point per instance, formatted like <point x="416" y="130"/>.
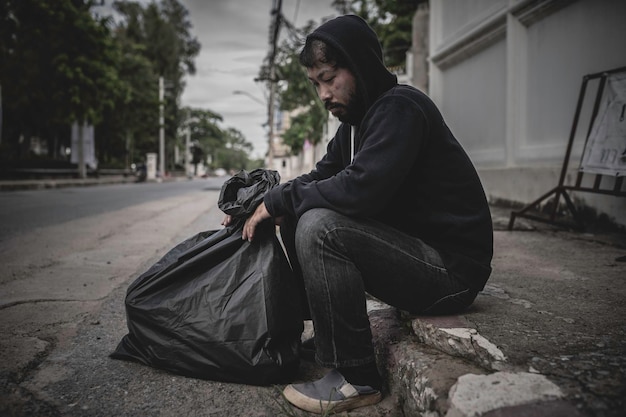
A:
<point x="234" y="35"/>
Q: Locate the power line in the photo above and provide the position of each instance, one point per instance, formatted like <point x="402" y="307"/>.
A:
<point x="295" y="14"/>
<point x="275" y="30"/>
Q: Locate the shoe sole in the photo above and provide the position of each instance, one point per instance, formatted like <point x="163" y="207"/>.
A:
<point x="305" y="403"/>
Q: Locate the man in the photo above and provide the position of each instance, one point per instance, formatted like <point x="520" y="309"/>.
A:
<point x="394" y="209"/>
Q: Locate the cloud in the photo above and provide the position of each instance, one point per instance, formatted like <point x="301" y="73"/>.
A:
<point x="235" y="41"/>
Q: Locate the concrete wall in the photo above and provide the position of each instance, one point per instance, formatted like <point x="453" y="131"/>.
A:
<point x="507" y="74"/>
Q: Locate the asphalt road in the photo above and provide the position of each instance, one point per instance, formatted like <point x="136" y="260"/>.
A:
<point x="22" y="211"/>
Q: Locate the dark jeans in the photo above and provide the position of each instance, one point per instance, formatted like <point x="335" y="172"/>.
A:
<point x="340" y="259"/>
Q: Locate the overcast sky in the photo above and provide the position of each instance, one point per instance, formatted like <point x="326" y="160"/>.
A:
<point x="235" y="39"/>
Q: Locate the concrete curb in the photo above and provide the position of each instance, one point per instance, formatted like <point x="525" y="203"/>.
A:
<point x="421" y="377"/>
<point x="43" y="184"/>
<point x="442" y="367"/>
<point x="455" y="336"/>
<point x="62" y="183"/>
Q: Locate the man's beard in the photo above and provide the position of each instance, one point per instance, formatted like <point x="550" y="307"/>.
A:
<point x="353" y="111"/>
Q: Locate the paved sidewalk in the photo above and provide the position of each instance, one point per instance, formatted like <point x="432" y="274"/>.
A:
<point x="547" y="336"/>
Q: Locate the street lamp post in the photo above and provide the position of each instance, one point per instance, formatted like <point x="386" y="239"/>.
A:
<point x="188" y="151"/>
<point x="161" y="129"/>
<point x="245" y="93"/>
<point x="270" y="121"/>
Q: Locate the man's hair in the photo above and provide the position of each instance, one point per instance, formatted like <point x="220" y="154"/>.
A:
<point x="316" y="50"/>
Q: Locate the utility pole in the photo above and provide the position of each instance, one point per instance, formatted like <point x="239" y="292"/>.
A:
<point x="129" y="156"/>
<point x="161" y="130"/>
<point x="277" y="12"/>
<point x="270" y="121"/>
<point x="82" y="170"/>
<point x="188" y="150"/>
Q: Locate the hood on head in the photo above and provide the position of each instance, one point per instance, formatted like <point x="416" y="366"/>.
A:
<point x="356" y="40"/>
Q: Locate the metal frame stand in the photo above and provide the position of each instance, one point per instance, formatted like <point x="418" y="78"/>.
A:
<point x="561" y="190"/>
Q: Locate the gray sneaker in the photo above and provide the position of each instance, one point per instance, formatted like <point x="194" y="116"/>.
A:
<point x="332" y="392"/>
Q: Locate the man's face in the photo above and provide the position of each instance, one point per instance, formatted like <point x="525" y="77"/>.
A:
<point x="336" y="87"/>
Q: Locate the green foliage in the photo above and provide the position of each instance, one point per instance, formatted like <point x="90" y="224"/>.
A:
<point x="197" y="153"/>
<point x="58" y="66"/>
<point x="84" y="72"/>
<point x="129" y="128"/>
<point x="234" y="155"/>
<point x="392" y="20"/>
<point x="226" y="149"/>
<point x="204" y="132"/>
<point x="158" y="42"/>
<point x="296" y="94"/>
<point x="60" y="63"/>
<point x="253" y="164"/>
<point x="305" y="126"/>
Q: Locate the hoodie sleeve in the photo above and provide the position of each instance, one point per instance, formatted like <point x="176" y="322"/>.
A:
<point x="279" y="202"/>
<point x="387" y="142"/>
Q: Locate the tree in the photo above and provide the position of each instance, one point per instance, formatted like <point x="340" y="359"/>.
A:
<point x="392" y="20"/>
<point x="234" y="155"/>
<point x="305" y="126"/>
<point x="88" y="81"/>
<point x="158" y="34"/>
<point x="197" y="155"/>
<point x="205" y="134"/>
<point x="296" y="94"/>
<point x="59" y="66"/>
<point x="128" y="130"/>
<point x="226" y="149"/>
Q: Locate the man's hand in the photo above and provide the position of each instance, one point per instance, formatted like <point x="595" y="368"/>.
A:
<point x="253" y="221"/>
<point x="227" y="220"/>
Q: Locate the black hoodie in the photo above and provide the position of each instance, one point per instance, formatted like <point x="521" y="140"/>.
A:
<point x="408" y="170"/>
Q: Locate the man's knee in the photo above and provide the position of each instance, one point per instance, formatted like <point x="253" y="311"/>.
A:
<point x="313" y="225"/>
<point x="315" y="220"/>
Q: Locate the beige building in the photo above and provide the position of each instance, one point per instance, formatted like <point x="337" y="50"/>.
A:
<point x="507" y="76"/>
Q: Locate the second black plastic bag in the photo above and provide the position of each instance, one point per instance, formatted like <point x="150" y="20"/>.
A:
<point x="217" y="307"/>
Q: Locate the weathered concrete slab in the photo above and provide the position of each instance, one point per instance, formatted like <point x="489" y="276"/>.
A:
<point x="455" y="336"/>
<point x="475" y="395"/>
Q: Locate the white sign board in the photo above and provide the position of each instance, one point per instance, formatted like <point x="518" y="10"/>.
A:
<point x="89" y="146"/>
<point x="605" y="151"/>
<point x="151" y="166"/>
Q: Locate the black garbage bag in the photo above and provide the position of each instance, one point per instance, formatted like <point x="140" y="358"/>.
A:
<point x="243" y="192"/>
<point x="217" y="307"/>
